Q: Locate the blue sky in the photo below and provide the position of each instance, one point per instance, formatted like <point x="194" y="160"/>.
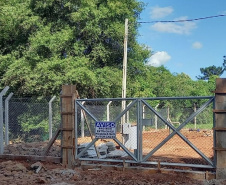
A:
<point x="188" y="46"/>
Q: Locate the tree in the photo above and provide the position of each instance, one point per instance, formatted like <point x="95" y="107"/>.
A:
<point x="212" y="70"/>
<point x="44" y="44"/>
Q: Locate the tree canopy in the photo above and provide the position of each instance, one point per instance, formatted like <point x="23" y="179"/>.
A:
<point x="207" y="72"/>
<point x="45" y="44"/>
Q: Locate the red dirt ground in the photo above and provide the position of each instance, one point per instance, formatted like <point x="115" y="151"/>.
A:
<point x="20" y="173"/>
<point x="175" y="150"/>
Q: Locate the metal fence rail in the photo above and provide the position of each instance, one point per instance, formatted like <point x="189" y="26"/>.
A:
<point x="173" y="131"/>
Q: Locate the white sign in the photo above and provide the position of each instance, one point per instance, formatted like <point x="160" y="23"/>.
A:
<point x="105" y="130"/>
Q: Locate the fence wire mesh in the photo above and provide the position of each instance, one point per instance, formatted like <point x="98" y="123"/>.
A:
<point x="29" y="124"/>
<point x="191" y="145"/>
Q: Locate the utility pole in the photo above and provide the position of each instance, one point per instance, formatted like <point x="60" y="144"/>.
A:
<point x="124" y="69"/>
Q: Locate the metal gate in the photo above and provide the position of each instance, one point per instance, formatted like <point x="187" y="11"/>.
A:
<point x="167" y="131"/>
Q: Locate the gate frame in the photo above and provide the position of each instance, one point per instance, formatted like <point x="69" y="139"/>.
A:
<point x="139" y="159"/>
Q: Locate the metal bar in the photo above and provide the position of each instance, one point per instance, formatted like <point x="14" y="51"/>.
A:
<point x="180" y="165"/>
<point x="1" y="119"/>
<point x="82" y="122"/>
<point x="123" y="112"/>
<point x="76" y="129"/>
<point x="159" y="115"/>
<point x="93" y="117"/>
<point x="51" y="118"/>
<point x="108" y="99"/>
<point x="7" y="118"/>
<point x="151" y="163"/>
<point x="176" y="131"/>
<point x="195" y="113"/>
<point x="179" y="98"/>
<point x="125" y="149"/>
<point x="153" y="98"/>
<point x="183" y="124"/>
<point x="156" y="118"/>
<point x="139" y="130"/>
<point x="86" y="148"/>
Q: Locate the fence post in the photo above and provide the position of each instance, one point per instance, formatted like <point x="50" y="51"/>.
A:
<point x="82" y="122"/>
<point x="1" y="119"/>
<point x="51" y="118"/>
<point x="195" y="116"/>
<point x="7" y="118"/>
<point x="220" y="128"/>
<point x="156" y="118"/>
<point x="69" y="95"/>
<point x="108" y="110"/>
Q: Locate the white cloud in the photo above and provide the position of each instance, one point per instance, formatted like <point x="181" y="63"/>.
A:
<point x="175" y="27"/>
<point x="160" y="12"/>
<point x="197" y="45"/>
<point x="159" y="58"/>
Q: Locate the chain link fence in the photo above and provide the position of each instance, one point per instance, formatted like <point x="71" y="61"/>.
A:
<point x="142" y="133"/>
<point x="31" y="124"/>
<point x="148" y="130"/>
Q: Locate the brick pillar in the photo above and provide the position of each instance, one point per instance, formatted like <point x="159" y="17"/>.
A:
<point x="220" y="128"/>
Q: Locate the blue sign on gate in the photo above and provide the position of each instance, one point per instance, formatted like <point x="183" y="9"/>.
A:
<point x="105" y="130"/>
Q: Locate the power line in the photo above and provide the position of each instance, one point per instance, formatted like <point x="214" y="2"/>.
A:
<point x="185" y="20"/>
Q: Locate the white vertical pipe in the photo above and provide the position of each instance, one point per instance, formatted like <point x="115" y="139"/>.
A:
<point x="156" y="118"/>
<point x="108" y="110"/>
<point x="7" y="118"/>
<point x="195" y="116"/>
<point x="143" y="115"/>
<point x="1" y="119"/>
<point x="51" y="118"/>
<point x="82" y="122"/>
